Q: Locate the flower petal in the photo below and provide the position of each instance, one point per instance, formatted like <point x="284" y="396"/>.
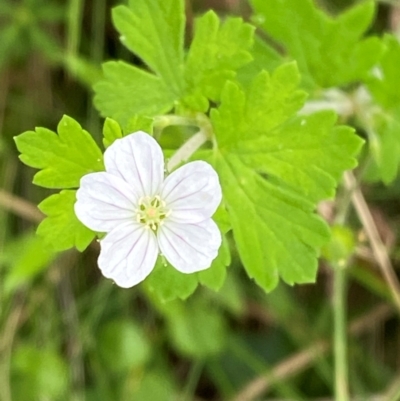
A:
<point x="138" y="159"/>
<point x="128" y="254"/>
<point x="192" y="192"/>
<point x="189" y="247"/>
<point x="104" y="201"/>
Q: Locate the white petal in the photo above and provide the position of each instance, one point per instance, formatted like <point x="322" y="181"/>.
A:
<point x="104" y="201"/>
<point x="128" y="254"/>
<point x="189" y="247"/>
<point x="192" y="192"/>
<point x="138" y="159"/>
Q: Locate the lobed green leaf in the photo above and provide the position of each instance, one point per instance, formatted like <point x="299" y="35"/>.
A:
<point x="273" y="169"/>
<point x="329" y="51"/>
<point x="127" y="91"/>
<point x="268" y="101"/>
<point x="154" y="31"/>
<point x="61" y="228"/>
<point x="216" y="52"/>
<point x="64" y="158"/>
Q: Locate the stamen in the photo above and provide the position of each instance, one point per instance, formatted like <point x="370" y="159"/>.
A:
<point x="151" y="212"/>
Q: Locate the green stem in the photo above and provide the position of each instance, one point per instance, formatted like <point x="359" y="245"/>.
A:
<point x="75" y="11"/>
<point x="193" y="380"/>
<point x="204" y="134"/>
<point x="187" y="149"/>
<point x="340" y="336"/>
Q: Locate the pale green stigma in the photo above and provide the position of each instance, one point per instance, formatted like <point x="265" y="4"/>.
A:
<point x="152" y="211"/>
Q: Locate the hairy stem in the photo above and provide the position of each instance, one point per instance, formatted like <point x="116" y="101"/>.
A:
<point x="340" y="335"/>
<point x="187" y="149"/>
<point x="204" y="134"/>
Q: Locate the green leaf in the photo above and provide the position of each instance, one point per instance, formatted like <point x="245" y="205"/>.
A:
<point x="196" y="329"/>
<point x="27" y="256"/>
<point x="215" y="54"/>
<point x="122" y="345"/>
<point x="64" y="158"/>
<point x="384" y="87"/>
<point x="154" y="31"/>
<point x="61" y="229"/>
<point x="127" y="91"/>
<point x="268" y="102"/>
<point x="384" y="145"/>
<point x="307" y="154"/>
<point x="276" y="231"/>
<point x="38" y="373"/>
<point x="214" y="276"/>
<point x="273" y="173"/>
<point x="330" y="51"/>
<point x="383" y="124"/>
<point x="264" y="58"/>
<point x="111" y="132"/>
<point x="167" y="283"/>
<point x="138" y="123"/>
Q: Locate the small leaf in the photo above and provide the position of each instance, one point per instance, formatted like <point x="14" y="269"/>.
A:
<point x="111" y="132"/>
<point x="214" y="276"/>
<point x="167" y="283"/>
<point x="329" y="51"/>
<point x="63" y="158"/>
<point x="154" y="31"/>
<point x="127" y="91"/>
<point x="138" y="123"/>
<point x="269" y="101"/>
<point x="384" y="87"/>
<point x="61" y="228"/>
<point x="215" y="54"/>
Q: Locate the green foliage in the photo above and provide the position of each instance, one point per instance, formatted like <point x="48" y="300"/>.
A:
<point x="127" y="90"/>
<point x="214" y="56"/>
<point x="269" y="101"/>
<point x="184" y="84"/>
<point x="190" y="329"/>
<point x="168" y="284"/>
<point x="300" y="162"/>
<point x="61" y="229"/>
<point x="383" y="123"/>
<point x="64" y="158"/>
<point x="69" y="334"/>
<point x="25" y="257"/>
<point x="123" y="346"/>
<point x="383" y="86"/>
<point x="340" y="247"/>
<point x="24" y="28"/>
<point x="38" y="374"/>
<point x="329" y="51"/>
<point x="154" y="31"/>
<point x="214" y="277"/>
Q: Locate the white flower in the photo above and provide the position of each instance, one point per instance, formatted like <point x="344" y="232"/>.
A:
<point x="144" y="214"/>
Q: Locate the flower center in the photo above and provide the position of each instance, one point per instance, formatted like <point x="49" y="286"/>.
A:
<point x="152" y="211"/>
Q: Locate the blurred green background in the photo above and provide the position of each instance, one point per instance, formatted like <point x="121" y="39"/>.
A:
<point x="66" y="333"/>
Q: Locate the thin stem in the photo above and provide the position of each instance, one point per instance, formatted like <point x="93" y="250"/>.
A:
<point x="187" y="149"/>
<point x="340" y="335"/>
<point x="378" y="248"/>
<point x="75" y="13"/>
<point x="303" y="359"/>
<point x="193" y="380"/>
<point x="204" y="134"/>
